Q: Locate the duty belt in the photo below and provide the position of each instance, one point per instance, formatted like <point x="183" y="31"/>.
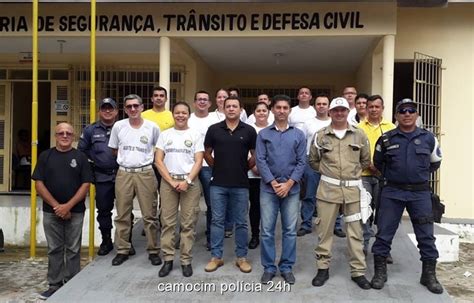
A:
<point x="410" y="186"/>
<point x="136" y="169"/>
<point x="345" y="183"/>
<point x="179" y="177"/>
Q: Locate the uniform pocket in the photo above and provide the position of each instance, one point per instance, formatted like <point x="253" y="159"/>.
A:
<point x="423" y="157"/>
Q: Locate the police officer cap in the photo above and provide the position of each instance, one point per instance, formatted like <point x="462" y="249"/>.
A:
<point x="339" y="102"/>
<point x="109" y="101"/>
<point x="406" y="101"/>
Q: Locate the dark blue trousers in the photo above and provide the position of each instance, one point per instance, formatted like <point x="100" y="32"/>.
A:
<point x="104" y="197"/>
<point x="418" y="204"/>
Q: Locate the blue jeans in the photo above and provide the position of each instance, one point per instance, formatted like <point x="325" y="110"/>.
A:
<point x="270" y="204"/>
<point x="234" y="199"/>
<point x="64" y="247"/>
<point x="205" y="175"/>
<point x="311" y="179"/>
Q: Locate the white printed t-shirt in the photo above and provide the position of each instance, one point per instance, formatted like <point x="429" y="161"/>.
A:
<point x="299" y="116"/>
<point x="135" y="145"/>
<point x="251" y="119"/>
<point x="311" y="127"/>
<point x="179" y="147"/>
<point x="201" y="125"/>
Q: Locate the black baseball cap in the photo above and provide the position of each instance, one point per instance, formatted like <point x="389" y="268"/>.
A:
<point x="406" y="101"/>
<point x="109" y="101"/>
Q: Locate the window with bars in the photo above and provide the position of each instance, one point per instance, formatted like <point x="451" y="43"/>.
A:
<point x="117" y="83"/>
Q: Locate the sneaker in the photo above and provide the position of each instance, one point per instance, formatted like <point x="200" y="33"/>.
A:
<point x="243" y="265"/>
<point x="48" y="293"/>
<point x="214" y="264"/>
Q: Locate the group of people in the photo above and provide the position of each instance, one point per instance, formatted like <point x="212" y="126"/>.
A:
<point x="325" y="156"/>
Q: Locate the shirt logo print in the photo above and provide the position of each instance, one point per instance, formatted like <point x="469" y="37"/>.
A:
<point x="73" y="163"/>
<point x="144" y="139"/>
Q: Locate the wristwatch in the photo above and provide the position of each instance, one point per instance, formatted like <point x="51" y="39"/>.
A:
<point x="189" y="181"/>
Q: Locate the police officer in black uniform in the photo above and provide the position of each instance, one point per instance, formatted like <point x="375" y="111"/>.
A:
<point x="94" y="143"/>
<point x="406" y="156"/>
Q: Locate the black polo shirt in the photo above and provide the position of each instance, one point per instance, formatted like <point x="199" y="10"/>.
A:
<point x="231" y="149"/>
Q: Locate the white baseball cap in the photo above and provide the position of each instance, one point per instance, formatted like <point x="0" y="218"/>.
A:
<point x="339" y="102"/>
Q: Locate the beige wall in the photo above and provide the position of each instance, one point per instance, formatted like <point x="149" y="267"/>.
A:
<point x="447" y="33"/>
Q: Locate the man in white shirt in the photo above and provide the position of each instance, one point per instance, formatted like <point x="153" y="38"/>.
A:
<point x="350" y="93"/>
<point x="311" y="177"/>
<point x="262" y="98"/>
<point x="303" y="111"/>
<point x="200" y="120"/>
<point x="133" y="140"/>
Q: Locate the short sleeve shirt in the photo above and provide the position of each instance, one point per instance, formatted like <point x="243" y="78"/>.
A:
<point x="231" y="150"/>
<point x="63" y="173"/>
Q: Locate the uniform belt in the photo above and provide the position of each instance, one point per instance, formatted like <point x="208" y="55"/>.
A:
<point x="136" y="169"/>
<point x="410" y="186"/>
<point x="345" y="183"/>
<point x="179" y="177"/>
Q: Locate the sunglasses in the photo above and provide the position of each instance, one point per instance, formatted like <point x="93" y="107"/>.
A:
<point x="64" y="134"/>
<point x="134" y="106"/>
<point x="409" y="110"/>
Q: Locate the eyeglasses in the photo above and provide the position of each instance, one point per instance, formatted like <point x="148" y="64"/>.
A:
<point x="64" y="134"/>
<point x="134" y="106"/>
<point x="409" y="110"/>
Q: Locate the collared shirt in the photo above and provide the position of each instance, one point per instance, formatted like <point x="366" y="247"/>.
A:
<point x="408" y="157"/>
<point x="373" y="133"/>
<point x="231" y="148"/>
<point x="94" y="143"/>
<point x="281" y="155"/>
<point x="339" y="158"/>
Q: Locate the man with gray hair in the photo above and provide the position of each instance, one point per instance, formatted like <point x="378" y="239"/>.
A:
<point x="133" y="141"/>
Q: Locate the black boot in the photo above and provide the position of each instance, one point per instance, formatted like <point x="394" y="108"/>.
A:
<point x="321" y="277"/>
<point x="106" y="246"/>
<point x="428" y="277"/>
<point x="380" y="272"/>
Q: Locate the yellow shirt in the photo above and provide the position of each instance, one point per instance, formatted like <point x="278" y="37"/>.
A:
<point x="373" y="133"/>
<point x="163" y="119"/>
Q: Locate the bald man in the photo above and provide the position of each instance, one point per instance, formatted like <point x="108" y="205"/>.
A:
<point x="62" y="177"/>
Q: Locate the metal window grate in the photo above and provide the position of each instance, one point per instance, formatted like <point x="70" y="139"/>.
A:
<point x="427" y="93"/>
<point x="117" y="82"/>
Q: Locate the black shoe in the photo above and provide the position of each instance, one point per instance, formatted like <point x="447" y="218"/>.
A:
<point x="166" y="269"/>
<point x="362" y="282"/>
<point x="119" y="259"/>
<point x="105" y="247"/>
<point x="187" y="270"/>
<point x="315" y="212"/>
<point x="267" y="277"/>
<point x="389" y="259"/>
<point x="228" y="233"/>
<point x="302" y="231"/>
<point x="132" y="251"/>
<point x="143" y="233"/>
<point x="254" y="241"/>
<point x="428" y="277"/>
<point x="155" y="259"/>
<point x="48" y="293"/>
<point x="340" y="233"/>
<point x="288" y="277"/>
<point x="321" y="277"/>
<point x="208" y="246"/>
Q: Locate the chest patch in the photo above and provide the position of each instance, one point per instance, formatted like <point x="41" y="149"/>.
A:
<point x="188" y="143"/>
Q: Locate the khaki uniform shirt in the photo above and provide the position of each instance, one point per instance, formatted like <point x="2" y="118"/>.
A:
<point x="342" y="159"/>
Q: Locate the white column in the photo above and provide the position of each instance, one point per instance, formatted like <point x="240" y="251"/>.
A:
<point x="387" y="74"/>
<point x="165" y="65"/>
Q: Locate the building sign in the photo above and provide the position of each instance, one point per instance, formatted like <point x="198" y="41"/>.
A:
<point x="203" y="20"/>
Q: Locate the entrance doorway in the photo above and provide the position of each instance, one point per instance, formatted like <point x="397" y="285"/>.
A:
<point x="21" y="129"/>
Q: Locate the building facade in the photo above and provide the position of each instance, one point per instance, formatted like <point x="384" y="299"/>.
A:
<point x="391" y="48"/>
